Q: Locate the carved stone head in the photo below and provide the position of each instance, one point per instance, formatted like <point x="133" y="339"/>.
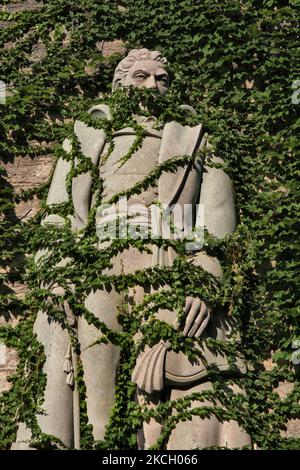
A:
<point x="142" y="69"/>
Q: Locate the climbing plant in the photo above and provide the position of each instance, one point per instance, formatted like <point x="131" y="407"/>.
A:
<point x="235" y="62"/>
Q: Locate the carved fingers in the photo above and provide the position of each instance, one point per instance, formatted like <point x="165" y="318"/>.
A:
<point x="197" y="317"/>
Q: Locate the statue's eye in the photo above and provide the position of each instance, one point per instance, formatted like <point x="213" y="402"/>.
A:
<point x="140" y="77"/>
<point x="163" y="79"/>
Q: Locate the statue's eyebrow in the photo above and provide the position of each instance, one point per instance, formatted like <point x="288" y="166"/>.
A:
<point x="162" y="75"/>
<point x="141" y="71"/>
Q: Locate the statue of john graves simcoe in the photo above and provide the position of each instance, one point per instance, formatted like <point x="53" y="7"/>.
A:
<point x="160" y="373"/>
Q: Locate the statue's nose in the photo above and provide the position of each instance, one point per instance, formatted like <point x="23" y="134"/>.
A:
<point x="151" y="82"/>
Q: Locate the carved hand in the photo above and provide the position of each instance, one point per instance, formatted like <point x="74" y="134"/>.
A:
<point x="197" y="316"/>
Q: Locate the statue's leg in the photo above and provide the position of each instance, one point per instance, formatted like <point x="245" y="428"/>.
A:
<point x="232" y="435"/>
<point x="99" y="361"/>
<point x="58" y="407"/>
<point x="195" y="433"/>
<point x="58" y="403"/>
<point x="23" y="438"/>
<point x="209" y="432"/>
<point x="150" y="431"/>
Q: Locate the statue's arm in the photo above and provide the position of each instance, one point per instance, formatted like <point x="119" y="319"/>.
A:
<point x="57" y="195"/>
<point x="91" y="143"/>
<point x="217" y="204"/>
<point x="218" y="215"/>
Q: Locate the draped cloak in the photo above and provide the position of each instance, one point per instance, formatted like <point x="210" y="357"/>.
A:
<point x="156" y="365"/>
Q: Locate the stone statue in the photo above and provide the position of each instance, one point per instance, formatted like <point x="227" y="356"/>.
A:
<point x="158" y="369"/>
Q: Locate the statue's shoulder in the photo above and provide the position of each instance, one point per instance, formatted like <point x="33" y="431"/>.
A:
<point x="101" y="111"/>
<point x="188" y="109"/>
<point x="91" y="139"/>
<point x="88" y="134"/>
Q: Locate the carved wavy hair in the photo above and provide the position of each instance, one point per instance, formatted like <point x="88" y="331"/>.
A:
<point x="125" y="65"/>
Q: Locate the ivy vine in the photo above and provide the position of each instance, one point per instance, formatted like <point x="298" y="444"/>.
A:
<point x="235" y="63"/>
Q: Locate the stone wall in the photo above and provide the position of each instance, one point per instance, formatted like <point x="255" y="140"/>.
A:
<point x="25" y="173"/>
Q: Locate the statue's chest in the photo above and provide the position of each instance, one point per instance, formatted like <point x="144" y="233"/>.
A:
<point x="119" y="172"/>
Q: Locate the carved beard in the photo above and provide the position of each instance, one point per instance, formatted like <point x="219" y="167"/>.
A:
<point x="151" y="104"/>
